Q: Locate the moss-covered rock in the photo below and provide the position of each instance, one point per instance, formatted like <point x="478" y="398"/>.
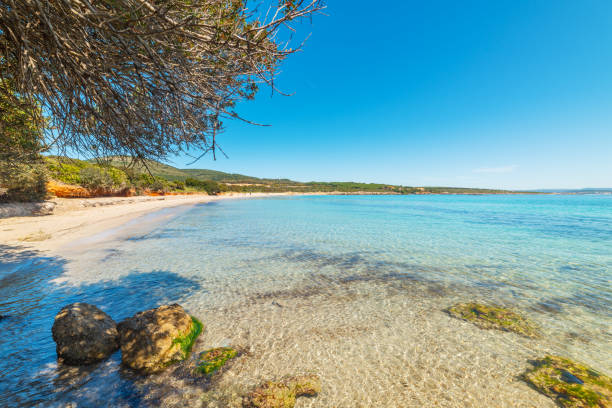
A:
<point x="571" y="384"/>
<point x="153" y="339"/>
<point x="210" y="361"/>
<point x="283" y="394"/>
<point x="494" y="317"/>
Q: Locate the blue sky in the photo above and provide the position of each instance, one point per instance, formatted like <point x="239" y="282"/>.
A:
<point x="502" y="94"/>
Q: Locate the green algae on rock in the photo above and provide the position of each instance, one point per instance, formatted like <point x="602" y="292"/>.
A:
<point x="493" y="317"/>
<point x="187" y="341"/>
<point x="283" y="394"/>
<point x="154" y="339"/>
<point x="571" y="384"/>
<point x="211" y="360"/>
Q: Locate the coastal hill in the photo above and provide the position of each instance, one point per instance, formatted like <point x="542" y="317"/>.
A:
<point x="114" y="174"/>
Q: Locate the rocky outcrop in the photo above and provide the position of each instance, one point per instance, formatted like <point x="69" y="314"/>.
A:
<point x="84" y="334"/>
<point x="283" y="394"/>
<point x="494" y="317"/>
<point x="153" y="339"/>
<point x="570" y="384"/>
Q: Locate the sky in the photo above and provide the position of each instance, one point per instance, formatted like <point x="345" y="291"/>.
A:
<point x="512" y="94"/>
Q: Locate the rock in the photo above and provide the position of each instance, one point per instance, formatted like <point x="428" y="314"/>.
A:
<point x="84" y="334"/>
<point x="152" y="340"/>
<point x="211" y="360"/>
<point x="8" y="210"/>
<point x="283" y="394"/>
<point x="493" y="317"/>
<point x="571" y="384"/>
<point x="45" y="208"/>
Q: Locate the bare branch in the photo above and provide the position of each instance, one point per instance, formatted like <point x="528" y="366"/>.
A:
<point x="142" y="78"/>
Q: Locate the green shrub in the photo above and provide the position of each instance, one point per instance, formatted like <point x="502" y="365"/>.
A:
<point x="22" y="171"/>
<point x="67" y="172"/>
<point x="159" y="186"/>
<point x="118" y="177"/>
<point x="177" y="185"/>
<point x="209" y="186"/>
<point x="95" y="178"/>
<point x="23" y="182"/>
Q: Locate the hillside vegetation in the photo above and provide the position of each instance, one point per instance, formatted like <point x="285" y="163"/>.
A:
<point x="117" y="176"/>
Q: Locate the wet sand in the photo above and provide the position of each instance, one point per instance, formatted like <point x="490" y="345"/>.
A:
<point x="74" y="219"/>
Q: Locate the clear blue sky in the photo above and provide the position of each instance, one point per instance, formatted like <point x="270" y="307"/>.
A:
<point x="502" y="94"/>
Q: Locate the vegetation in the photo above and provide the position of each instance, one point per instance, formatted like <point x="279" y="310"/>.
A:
<point x="143" y="78"/>
<point x="211" y="187"/>
<point x="283" y="394"/>
<point x="22" y="171"/>
<point x="187" y="341"/>
<point x="212" y="360"/>
<point x="493" y="317"/>
<point x="116" y="175"/>
<point x="571" y="384"/>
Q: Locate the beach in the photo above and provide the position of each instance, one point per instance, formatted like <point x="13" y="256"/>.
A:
<point x="351" y="288"/>
<point x="76" y="218"/>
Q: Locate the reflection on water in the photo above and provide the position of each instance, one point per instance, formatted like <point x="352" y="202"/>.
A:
<point x="350" y="288"/>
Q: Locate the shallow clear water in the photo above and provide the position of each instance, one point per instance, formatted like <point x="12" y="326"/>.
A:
<point x="349" y="287"/>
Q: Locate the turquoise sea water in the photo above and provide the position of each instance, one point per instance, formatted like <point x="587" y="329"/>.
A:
<point x="349" y="287"/>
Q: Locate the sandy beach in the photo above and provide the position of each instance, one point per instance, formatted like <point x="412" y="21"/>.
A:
<point x="73" y="218"/>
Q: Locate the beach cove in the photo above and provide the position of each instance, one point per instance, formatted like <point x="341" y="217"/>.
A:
<point x="352" y="288"/>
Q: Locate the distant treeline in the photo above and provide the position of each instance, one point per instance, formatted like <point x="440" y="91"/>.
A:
<point x="118" y="176"/>
<point x="118" y="172"/>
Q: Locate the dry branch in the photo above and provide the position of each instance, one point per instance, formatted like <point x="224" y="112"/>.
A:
<point x="142" y="78"/>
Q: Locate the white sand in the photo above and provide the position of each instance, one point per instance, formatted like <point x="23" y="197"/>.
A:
<point x="75" y="218"/>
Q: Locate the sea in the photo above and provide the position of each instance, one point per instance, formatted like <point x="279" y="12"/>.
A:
<point x="351" y="288"/>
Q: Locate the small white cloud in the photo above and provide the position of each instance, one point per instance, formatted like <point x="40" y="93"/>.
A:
<point x="496" y="170"/>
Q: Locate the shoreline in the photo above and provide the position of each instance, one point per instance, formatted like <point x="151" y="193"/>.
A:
<point x="367" y="317"/>
<point x="74" y="219"/>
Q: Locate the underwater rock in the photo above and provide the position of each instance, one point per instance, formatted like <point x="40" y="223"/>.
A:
<point x="84" y="334"/>
<point x="493" y="317"/>
<point x="152" y="340"/>
<point x="210" y="361"/>
<point x="571" y="384"/>
<point x="282" y="394"/>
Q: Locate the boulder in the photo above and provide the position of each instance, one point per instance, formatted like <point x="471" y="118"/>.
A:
<point x="569" y="383"/>
<point x="84" y="334"/>
<point x="283" y="394"/>
<point x="152" y="340"/>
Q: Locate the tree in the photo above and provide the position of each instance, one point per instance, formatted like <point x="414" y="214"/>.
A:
<point x="22" y="171"/>
<point x="142" y="78"/>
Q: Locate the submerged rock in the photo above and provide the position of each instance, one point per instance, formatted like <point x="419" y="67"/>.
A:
<point x="212" y="360"/>
<point x="153" y="339"/>
<point x="571" y="384"/>
<point x="84" y="334"/>
<point x="493" y="317"/>
<point x="283" y="394"/>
